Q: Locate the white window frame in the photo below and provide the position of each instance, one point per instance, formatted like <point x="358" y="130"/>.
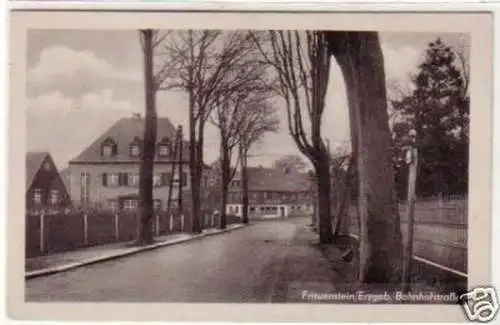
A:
<point x="130" y="204"/>
<point x="164" y="150"/>
<point x="113" y="205"/>
<point x="37" y="196"/>
<point x="107" y="150"/>
<point x="133" y="179"/>
<point x="55" y="197"/>
<point x="156" y="180"/>
<point x="135" y="150"/>
<point x="113" y="177"/>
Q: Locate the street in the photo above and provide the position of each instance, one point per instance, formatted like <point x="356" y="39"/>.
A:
<point x="270" y="261"/>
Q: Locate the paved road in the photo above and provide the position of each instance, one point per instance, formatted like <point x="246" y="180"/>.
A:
<point x="271" y="261"/>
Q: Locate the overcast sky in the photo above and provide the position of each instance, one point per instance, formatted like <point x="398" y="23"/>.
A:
<point x="80" y="82"/>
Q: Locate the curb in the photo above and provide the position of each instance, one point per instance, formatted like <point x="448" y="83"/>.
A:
<point x="126" y="252"/>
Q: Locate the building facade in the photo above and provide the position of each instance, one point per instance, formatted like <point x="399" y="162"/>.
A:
<point x="273" y="193"/>
<point x="106" y="174"/>
<point x="45" y="190"/>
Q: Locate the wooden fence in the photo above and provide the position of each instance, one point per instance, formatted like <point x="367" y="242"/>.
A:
<point x="440" y="231"/>
<point x="47" y="234"/>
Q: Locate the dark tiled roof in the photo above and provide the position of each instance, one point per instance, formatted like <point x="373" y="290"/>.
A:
<point x="123" y="133"/>
<point x="34" y="162"/>
<point x="276" y="180"/>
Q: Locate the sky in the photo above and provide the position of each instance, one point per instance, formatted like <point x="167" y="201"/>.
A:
<point x="79" y="82"/>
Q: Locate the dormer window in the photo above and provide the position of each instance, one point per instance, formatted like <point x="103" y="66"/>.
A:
<point x="135" y="147"/>
<point x="109" y="148"/>
<point x="164" y="148"/>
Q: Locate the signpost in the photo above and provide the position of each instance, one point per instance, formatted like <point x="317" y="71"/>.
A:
<point x="412" y="161"/>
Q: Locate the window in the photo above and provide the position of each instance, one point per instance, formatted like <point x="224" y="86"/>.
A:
<point x="164" y="150"/>
<point x="54" y="197"/>
<point x="129" y="204"/>
<point x="113" y="205"/>
<point x="134" y="150"/>
<point x="236" y="209"/>
<point x="157" y="180"/>
<point x="157" y="205"/>
<point x="37" y="196"/>
<point x="133" y="180"/>
<point x="107" y="151"/>
<point x="111" y="179"/>
<point x="164" y="147"/>
<point x="108" y="148"/>
<point x="84" y="187"/>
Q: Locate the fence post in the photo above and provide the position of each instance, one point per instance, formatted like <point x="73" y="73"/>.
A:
<point x="157" y="230"/>
<point x="42" y="231"/>
<point x="117" y="229"/>
<point x="182" y="223"/>
<point x="171" y="223"/>
<point x="85" y="229"/>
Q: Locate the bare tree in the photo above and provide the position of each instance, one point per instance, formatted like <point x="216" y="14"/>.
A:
<point x="360" y="58"/>
<point x="259" y="120"/>
<point x="302" y="63"/>
<point x="201" y="59"/>
<point x="150" y="41"/>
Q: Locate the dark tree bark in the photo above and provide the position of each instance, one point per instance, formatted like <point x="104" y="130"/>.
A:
<point x="226" y="178"/>
<point x="244" y="181"/>
<point x="324" y="209"/>
<point x="360" y="58"/>
<point x="144" y="229"/>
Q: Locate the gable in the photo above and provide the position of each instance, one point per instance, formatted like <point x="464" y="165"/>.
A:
<point x="34" y="161"/>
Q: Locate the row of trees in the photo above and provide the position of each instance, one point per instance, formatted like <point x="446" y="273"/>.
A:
<point x="226" y="86"/>
<point x="232" y="80"/>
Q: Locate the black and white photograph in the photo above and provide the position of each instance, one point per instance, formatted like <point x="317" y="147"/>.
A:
<point x="249" y="166"/>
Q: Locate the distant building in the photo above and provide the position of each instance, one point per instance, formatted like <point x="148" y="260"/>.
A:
<point x="45" y="190"/>
<point x="273" y="193"/>
<point x="106" y="173"/>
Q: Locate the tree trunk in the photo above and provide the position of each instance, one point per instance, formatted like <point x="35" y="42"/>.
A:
<point x="144" y="229"/>
<point x="244" y="181"/>
<point x="198" y="174"/>
<point x="324" y="211"/>
<point x="225" y="168"/>
<point x="360" y="58"/>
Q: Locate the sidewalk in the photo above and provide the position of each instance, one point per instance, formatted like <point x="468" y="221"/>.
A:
<point x="64" y="261"/>
<point x="317" y="273"/>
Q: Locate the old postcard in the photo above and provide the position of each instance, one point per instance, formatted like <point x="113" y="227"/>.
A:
<point x="212" y="166"/>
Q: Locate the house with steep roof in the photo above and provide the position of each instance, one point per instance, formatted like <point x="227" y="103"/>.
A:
<point x="273" y="193"/>
<point x="45" y="190"/>
<point x="106" y="173"/>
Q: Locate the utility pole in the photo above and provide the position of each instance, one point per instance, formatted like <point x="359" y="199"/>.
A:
<point x="412" y="161"/>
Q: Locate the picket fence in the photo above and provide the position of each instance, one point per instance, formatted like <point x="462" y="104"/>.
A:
<point x="51" y="233"/>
